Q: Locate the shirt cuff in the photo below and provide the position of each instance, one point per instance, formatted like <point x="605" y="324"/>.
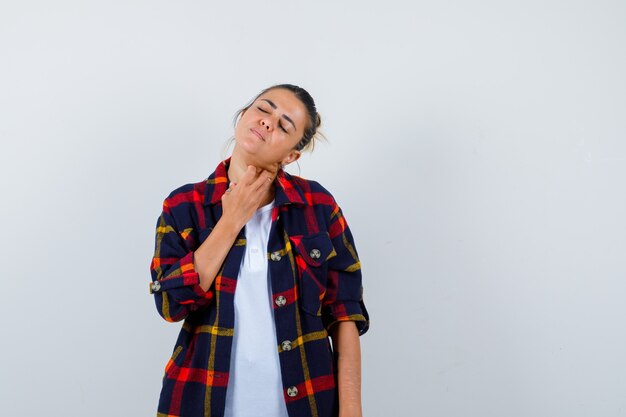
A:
<point x="346" y="311"/>
<point x="184" y="276"/>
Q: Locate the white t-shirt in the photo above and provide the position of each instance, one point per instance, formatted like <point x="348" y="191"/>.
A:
<point x="255" y="385"/>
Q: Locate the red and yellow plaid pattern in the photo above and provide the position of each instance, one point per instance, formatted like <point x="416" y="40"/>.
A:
<point x="315" y="278"/>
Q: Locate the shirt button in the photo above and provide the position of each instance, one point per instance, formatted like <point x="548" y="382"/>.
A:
<point x="292" y="391"/>
<point x="275" y="256"/>
<point x="286" y="345"/>
<point x="280" y="301"/>
<point x="315" y="253"/>
<point x="156" y="286"/>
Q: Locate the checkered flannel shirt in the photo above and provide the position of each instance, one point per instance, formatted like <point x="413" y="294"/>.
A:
<point x="315" y="277"/>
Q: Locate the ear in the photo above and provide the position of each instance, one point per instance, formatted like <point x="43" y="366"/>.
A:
<point x="293" y="156"/>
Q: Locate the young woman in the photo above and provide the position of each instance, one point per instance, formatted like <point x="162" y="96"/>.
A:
<point x="262" y="267"/>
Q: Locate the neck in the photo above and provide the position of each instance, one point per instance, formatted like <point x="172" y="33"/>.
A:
<point x="237" y="168"/>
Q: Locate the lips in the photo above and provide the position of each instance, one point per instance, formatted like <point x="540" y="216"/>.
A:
<point x="256" y="132"/>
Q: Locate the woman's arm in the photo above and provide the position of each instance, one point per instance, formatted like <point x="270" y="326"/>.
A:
<point x="182" y="279"/>
<point x="347" y="346"/>
<point x="239" y="205"/>
<point x="211" y="254"/>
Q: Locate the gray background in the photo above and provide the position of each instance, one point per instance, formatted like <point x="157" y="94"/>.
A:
<point x="476" y="148"/>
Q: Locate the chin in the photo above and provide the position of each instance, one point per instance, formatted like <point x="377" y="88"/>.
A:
<point x="249" y="145"/>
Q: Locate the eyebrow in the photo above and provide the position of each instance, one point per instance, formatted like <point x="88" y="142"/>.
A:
<point x="284" y="115"/>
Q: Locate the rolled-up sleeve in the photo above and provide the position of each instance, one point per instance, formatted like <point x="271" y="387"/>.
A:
<point x="175" y="282"/>
<point x="343" y="300"/>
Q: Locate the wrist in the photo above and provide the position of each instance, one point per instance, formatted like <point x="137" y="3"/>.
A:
<point x="229" y="225"/>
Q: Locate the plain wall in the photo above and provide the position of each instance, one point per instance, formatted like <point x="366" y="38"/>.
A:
<point x="477" y="149"/>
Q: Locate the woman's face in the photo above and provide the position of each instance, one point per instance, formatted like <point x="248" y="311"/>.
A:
<point x="270" y="129"/>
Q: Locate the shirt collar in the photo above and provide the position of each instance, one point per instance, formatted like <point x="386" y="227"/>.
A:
<point x="288" y="191"/>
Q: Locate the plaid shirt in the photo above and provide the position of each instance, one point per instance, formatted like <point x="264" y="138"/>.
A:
<point x="315" y="282"/>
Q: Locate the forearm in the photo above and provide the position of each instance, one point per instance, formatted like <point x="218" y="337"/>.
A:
<point x="347" y="346"/>
<point x="210" y="255"/>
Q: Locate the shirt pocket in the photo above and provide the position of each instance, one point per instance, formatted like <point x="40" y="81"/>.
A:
<point x="311" y="255"/>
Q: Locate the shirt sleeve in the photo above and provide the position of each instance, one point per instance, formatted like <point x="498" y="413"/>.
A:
<point x="343" y="300"/>
<point x="175" y="282"/>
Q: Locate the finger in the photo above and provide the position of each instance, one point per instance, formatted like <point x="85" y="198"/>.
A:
<point x="261" y="179"/>
<point x="248" y="176"/>
<point x="273" y="168"/>
<point x="271" y="174"/>
<point x="258" y="182"/>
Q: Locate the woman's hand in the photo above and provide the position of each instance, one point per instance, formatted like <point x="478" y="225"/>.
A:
<point x="242" y="199"/>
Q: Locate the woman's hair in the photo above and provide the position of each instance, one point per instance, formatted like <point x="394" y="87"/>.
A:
<point x="311" y="133"/>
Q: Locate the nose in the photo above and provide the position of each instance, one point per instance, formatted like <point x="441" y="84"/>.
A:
<point x="265" y="124"/>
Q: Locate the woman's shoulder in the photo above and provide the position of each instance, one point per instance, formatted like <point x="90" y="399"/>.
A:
<point x="189" y="186"/>
<point x="317" y="193"/>
<point x="185" y="198"/>
<point x="204" y="190"/>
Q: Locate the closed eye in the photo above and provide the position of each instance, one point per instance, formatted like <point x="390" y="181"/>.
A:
<point x="279" y="124"/>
